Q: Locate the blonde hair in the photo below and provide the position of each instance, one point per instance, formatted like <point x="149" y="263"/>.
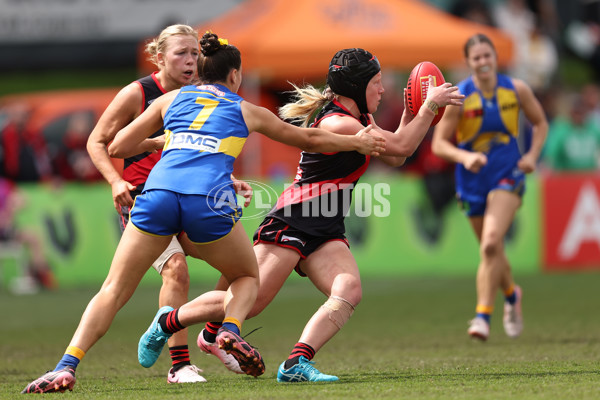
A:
<point x="159" y="44"/>
<point x="307" y="100"/>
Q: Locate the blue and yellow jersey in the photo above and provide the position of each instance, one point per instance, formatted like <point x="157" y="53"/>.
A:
<point x="489" y="124"/>
<point x="205" y="132"/>
<point x="489" y="120"/>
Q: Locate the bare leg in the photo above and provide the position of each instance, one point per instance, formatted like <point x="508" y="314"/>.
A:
<point x="333" y="271"/>
<point x="494" y="269"/>
<point x="134" y="255"/>
<point x="234" y="258"/>
<point x="174" y="291"/>
<point x="275" y="265"/>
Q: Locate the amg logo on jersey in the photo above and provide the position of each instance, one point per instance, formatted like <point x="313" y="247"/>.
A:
<point x="194" y="141"/>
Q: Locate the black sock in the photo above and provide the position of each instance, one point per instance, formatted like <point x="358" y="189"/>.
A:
<point x="290" y="362"/>
<point x="180" y="356"/>
<point x="210" y="331"/>
<point x="169" y="322"/>
<point x="300" y="349"/>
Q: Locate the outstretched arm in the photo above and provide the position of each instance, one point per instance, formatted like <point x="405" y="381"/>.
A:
<point x="261" y="120"/>
<point x="411" y="130"/>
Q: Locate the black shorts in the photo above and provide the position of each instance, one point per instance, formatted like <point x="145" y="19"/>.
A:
<point x="124" y="213"/>
<point x="277" y="232"/>
<point x="124" y="217"/>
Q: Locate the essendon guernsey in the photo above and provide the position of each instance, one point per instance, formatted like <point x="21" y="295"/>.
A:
<point x="320" y="196"/>
<point x="137" y="168"/>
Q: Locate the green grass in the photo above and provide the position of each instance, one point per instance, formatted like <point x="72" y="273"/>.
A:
<point x="407" y="340"/>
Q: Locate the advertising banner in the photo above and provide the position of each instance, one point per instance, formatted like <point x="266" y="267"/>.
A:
<point x="385" y="227"/>
<point x="571" y="221"/>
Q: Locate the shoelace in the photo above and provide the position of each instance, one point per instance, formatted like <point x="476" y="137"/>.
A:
<point x="250" y="333"/>
<point x="308" y="367"/>
<point x="156" y="335"/>
<point x="188" y="370"/>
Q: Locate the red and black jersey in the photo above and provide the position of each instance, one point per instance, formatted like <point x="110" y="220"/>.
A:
<point x="320" y="196"/>
<point x="137" y="168"/>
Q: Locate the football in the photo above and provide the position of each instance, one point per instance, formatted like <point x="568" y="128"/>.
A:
<point x="418" y="84"/>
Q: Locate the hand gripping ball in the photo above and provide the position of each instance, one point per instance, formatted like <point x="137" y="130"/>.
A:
<point x="418" y="84"/>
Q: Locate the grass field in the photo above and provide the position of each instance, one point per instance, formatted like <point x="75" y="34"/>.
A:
<point x="407" y="340"/>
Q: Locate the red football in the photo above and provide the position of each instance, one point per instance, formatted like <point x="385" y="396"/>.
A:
<point x="418" y="84"/>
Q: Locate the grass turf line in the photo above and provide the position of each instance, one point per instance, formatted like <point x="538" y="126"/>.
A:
<point x="406" y="340"/>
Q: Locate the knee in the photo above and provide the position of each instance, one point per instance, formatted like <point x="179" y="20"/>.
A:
<point x="175" y="272"/>
<point x="349" y="289"/>
<point x="339" y="310"/>
<point x="490" y="247"/>
<point x="112" y="295"/>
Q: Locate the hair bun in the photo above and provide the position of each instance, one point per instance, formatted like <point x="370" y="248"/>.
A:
<point x="209" y="43"/>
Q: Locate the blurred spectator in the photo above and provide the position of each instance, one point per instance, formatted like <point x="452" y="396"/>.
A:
<point x="516" y="19"/>
<point x="536" y="56"/>
<point x="541" y="64"/>
<point x="72" y="161"/>
<point x="573" y="142"/>
<point x="590" y="95"/>
<point x="10" y="202"/>
<point x="438" y="186"/>
<point x="473" y="10"/>
<point x="547" y="13"/>
<point x="582" y="35"/>
<point x="23" y="155"/>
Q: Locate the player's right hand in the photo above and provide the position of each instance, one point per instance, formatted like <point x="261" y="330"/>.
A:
<point x="370" y="142"/>
<point x="445" y="94"/>
<point x="120" y="193"/>
<point x="475" y="161"/>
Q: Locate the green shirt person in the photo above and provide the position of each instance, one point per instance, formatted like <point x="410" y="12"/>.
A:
<point x="573" y="142"/>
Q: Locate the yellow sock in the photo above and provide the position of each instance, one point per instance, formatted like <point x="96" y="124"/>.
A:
<point x="481" y="309"/>
<point x="231" y="320"/>
<point x="75" y="352"/>
<point x="509" y="292"/>
<point x="484" y="312"/>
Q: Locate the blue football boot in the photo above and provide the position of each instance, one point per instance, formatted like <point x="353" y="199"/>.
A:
<point x="153" y="340"/>
<point x="303" y="372"/>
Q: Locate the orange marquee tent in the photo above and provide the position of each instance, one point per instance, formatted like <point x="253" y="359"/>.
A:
<point x="284" y="40"/>
<point x="294" y="40"/>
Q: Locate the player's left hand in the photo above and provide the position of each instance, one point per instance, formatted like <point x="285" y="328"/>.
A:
<point x="243" y="189"/>
<point x="155" y="144"/>
<point x="406" y="115"/>
<point x="527" y="163"/>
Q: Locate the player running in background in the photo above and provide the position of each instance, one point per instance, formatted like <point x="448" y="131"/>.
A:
<point x="175" y="54"/>
<point x="294" y="236"/>
<point x="490" y="172"/>
<point x="206" y="127"/>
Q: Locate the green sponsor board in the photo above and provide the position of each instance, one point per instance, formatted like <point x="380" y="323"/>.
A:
<point x="396" y="244"/>
<point x="79" y="228"/>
